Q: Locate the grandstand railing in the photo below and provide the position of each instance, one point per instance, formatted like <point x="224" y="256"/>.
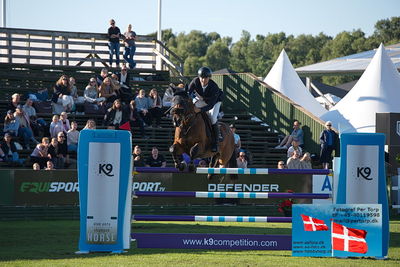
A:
<point x="27" y="46"/>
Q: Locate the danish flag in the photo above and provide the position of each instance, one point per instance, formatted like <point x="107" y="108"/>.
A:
<point x="348" y="239"/>
<point x="312" y="224"/>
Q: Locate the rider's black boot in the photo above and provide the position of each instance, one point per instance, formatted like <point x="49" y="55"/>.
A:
<point x="216" y="135"/>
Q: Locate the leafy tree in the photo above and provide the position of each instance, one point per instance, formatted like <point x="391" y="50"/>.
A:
<point x="218" y="55"/>
<point x="388" y="30"/>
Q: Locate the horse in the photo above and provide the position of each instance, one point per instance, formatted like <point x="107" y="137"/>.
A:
<point x="193" y="137"/>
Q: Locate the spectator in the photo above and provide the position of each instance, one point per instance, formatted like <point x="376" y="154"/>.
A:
<point x="62" y="151"/>
<point x="78" y="100"/>
<point x="306" y="161"/>
<point x="156" y="106"/>
<point x="329" y="141"/>
<point x="238" y="143"/>
<point x="65" y="122"/>
<point x="53" y="150"/>
<point x="143" y="104"/>
<point x="90" y="125"/>
<point x="9" y="150"/>
<point x="11" y="125"/>
<point x="62" y="99"/>
<point x="123" y="92"/>
<point x="108" y="90"/>
<point x="130" y="47"/>
<point x="138" y="160"/>
<point x="116" y="115"/>
<point x="36" y="167"/>
<point x="156" y="159"/>
<point x="73" y="137"/>
<point x="103" y="74"/>
<point x="124" y="78"/>
<point x="169" y="94"/>
<point x="297" y="134"/>
<point x="135" y="119"/>
<point x="91" y="93"/>
<point x="281" y="165"/>
<point x="241" y="160"/>
<point x="38" y="124"/>
<point x="114" y="34"/>
<point x="40" y="153"/>
<point x="24" y="130"/>
<point x="293" y="147"/>
<point x="202" y="164"/>
<point x="12" y="105"/>
<point x="50" y="166"/>
<point x="56" y="126"/>
<point x="294" y="161"/>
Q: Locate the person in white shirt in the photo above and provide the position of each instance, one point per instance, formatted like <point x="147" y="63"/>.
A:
<point x="72" y="137"/>
<point x="241" y="160"/>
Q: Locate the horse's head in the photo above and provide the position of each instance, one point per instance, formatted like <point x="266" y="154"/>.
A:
<point x="181" y="107"/>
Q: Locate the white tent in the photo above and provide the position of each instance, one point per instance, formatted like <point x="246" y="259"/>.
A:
<point x="283" y="77"/>
<point x="377" y="91"/>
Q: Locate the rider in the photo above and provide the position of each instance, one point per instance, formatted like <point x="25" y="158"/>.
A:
<point x="207" y="98"/>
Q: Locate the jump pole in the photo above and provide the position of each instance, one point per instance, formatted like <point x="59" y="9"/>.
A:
<point x="200" y="218"/>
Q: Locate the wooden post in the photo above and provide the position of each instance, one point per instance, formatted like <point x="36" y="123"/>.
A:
<point x="53" y="50"/>
<point x="28" y="49"/>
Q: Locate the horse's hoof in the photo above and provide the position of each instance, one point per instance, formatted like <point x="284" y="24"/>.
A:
<point x="191" y="168"/>
<point x="182" y="166"/>
<point x="209" y="176"/>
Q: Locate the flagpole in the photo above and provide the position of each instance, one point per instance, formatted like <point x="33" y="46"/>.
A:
<point x="331" y="238"/>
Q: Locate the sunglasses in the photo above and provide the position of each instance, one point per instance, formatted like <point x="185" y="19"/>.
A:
<point x="65" y="79"/>
<point x="329" y="125"/>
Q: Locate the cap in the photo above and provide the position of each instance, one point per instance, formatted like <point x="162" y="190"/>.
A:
<point x="19" y="107"/>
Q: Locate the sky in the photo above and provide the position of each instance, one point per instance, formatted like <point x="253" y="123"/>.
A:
<point x="226" y="17"/>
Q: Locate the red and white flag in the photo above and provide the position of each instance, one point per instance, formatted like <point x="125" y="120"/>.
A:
<point x="313" y="224"/>
<point x="348" y="239"/>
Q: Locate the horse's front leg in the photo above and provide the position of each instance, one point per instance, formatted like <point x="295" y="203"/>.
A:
<point x="213" y="164"/>
<point x="177" y="150"/>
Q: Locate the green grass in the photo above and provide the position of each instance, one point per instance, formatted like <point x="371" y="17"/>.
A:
<point x="53" y="243"/>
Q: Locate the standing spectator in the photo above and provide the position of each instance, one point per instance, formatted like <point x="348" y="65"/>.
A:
<point x="50" y="166"/>
<point x="281" y="165"/>
<point x="116" y="115"/>
<point x="156" y="106"/>
<point x="328" y="140"/>
<point x="65" y="122"/>
<point x="297" y="134"/>
<point x="236" y="137"/>
<point x="62" y="99"/>
<point x="306" y="161"/>
<point x="138" y="160"/>
<point x="11" y="125"/>
<point x="40" y="153"/>
<point x="294" y="161"/>
<point x="143" y="104"/>
<point x="156" y="159"/>
<point x="293" y="147"/>
<point x="90" y="125"/>
<point x="24" y="130"/>
<point x="36" y="167"/>
<point x="73" y="137"/>
<point x="241" y="160"/>
<point x="12" y="105"/>
<point x="56" y="126"/>
<point x="10" y="153"/>
<point x="108" y="90"/>
<point x="91" y="93"/>
<point x="114" y="34"/>
<point x="135" y="119"/>
<point x="130" y="47"/>
<point x="62" y="152"/>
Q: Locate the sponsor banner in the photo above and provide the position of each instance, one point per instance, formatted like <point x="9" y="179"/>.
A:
<point x="213" y="241"/>
<point x="338" y="230"/>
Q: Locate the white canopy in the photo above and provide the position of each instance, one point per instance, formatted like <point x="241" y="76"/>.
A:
<point x="377" y="91"/>
<point x="283" y="77"/>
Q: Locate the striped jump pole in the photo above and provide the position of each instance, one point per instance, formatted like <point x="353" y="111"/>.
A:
<point x="261" y="171"/>
<point x="196" y="218"/>
<point x="252" y="195"/>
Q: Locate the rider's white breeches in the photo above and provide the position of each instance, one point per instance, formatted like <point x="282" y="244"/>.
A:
<point x="212" y="113"/>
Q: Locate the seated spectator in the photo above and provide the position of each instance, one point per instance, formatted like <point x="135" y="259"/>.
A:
<point x="202" y="164"/>
<point x="169" y="94"/>
<point x="90" y="125"/>
<point x="125" y="91"/>
<point x="116" y="115"/>
<point x="11" y="125"/>
<point x="37" y="124"/>
<point x="65" y="122"/>
<point x="40" y="153"/>
<point x="238" y="143"/>
<point x="50" y="166"/>
<point x="156" y="107"/>
<point x="138" y="160"/>
<point x="306" y="161"/>
<point x="294" y="161"/>
<point x="91" y="93"/>
<point x="156" y="159"/>
<point x="73" y="137"/>
<point x="56" y="126"/>
<point x="241" y="160"/>
<point x="143" y="105"/>
<point x="12" y="105"/>
<point x="62" y="151"/>
<point x="294" y="146"/>
<point x="9" y="151"/>
<point x="108" y="90"/>
<point x="24" y="130"/>
<point x="297" y="134"/>
<point x="62" y="99"/>
<point x="74" y="92"/>
<point x="36" y="167"/>
<point x="53" y="150"/>
<point x="103" y="74"/>
<point x="281" y="165"/>
<point x="135" y="119"/>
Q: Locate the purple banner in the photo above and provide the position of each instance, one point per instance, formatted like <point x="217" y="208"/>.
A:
<point x="213" y="241"/>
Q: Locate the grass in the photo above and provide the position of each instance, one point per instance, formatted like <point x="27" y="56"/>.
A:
<point x="53" y="243"/>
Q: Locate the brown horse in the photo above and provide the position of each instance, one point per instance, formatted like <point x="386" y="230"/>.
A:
<point x="193" y="137"/>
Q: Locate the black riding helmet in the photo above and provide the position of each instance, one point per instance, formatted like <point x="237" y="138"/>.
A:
<point x="204" y="72"/>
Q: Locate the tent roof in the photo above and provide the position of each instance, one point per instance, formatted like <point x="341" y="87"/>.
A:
<point x="352" y="64"/>
<point x="377" y="91"/>
<point x="283" y="78"/>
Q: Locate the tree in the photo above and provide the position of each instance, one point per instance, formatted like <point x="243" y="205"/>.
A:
<point x="218" y="55"/>
<point x="388" y="30"/>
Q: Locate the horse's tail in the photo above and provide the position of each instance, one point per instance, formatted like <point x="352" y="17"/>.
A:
<point x="233" y="164"/>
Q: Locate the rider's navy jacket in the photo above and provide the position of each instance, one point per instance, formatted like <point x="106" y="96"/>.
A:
<point x="211" y="95"/>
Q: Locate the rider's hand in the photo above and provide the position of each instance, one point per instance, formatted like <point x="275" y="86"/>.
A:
<point x="197" y="110"/>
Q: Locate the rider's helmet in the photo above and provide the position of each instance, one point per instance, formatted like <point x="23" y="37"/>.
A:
<point x="204" y="72"/>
